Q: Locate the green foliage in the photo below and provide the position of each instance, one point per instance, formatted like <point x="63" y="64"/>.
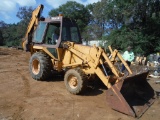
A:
<point x="75" y="11"/>
<point x="124" y="37"/>
<point x="25" y="13"/>
<point x="3" y="26"/>
<point x="96" y="26"/>
<point x="12" y="34"/>
<point x="142" y="42"/>
<point x="1" y="38"/>
<point x="140" y="26"/>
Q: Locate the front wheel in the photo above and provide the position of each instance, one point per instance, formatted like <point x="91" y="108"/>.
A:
<point x="75" y="81"/>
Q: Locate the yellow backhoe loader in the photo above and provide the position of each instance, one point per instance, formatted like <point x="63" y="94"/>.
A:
<point x="55" y="44"/>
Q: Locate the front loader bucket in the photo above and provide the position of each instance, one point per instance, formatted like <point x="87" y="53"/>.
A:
<point x="132" y="95"/>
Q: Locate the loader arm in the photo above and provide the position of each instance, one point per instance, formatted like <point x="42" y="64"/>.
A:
<point x="113" y="57"/>
<point x="32" y="25"/>
<point x="95" y="62"/>
<point x="128" y="93"/>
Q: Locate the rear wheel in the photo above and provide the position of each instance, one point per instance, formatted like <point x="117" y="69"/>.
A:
<point x="75" y="81"/>
<point x="40" y="66"/>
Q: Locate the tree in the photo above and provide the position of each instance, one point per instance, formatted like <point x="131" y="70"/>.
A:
<point x="3" y="33"/>
<point x="140" y="26"/>
<point x="11" y="34"/>
<point x="75" y="11"/>
<point x="122" y="38"/>
<point x="96" y="27"/>
<point x="3" y="26"/>
<point x="1" y="38"/>
<point x="105" y="16"/>
<point x="25" y="14"/>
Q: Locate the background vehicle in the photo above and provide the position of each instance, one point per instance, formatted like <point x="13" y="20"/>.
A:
<point x="128" y="93"/>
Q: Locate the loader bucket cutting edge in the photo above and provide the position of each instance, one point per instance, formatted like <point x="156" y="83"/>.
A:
<point x="132" y="95"/>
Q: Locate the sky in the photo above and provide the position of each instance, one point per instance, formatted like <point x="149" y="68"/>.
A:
<point x="9" y="8"/>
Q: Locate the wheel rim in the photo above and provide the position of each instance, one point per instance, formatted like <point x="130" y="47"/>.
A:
<point x="35" y="66"/>
<point x="72" y="81"/>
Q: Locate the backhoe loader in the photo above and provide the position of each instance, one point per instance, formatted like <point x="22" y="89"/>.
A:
<point x="55" y="44"/>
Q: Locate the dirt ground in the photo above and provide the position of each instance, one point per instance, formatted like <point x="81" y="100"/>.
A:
<point x="23" y="98"/>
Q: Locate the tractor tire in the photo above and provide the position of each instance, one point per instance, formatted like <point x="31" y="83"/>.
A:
<point x="40" y="66"/>
<point x="75" y="81"/>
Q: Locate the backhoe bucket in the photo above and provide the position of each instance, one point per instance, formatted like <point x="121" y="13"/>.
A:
<point x="132" y="95"/>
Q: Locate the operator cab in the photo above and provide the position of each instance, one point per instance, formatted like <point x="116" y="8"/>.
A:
<point x="55" y="30"/>
<point x="70" y="31"/>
